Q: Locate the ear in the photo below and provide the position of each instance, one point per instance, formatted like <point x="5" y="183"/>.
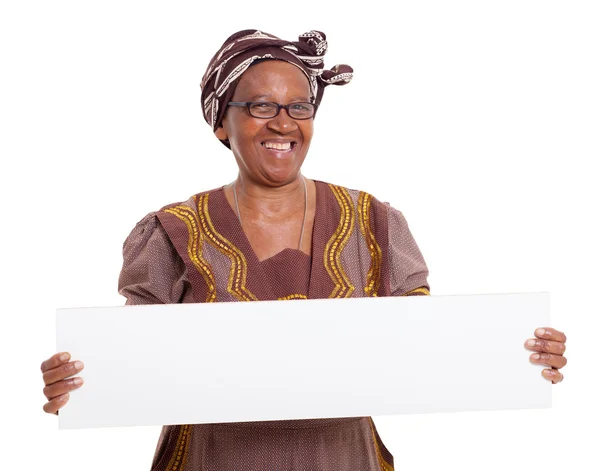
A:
<point x="221" y="133"/>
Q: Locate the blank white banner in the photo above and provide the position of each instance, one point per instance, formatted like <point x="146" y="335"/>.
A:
<point x="271" y="360"/>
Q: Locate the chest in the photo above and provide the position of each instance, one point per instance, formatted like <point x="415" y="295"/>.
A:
<point x="229" y="261"/>
<point x="267" y="239"/>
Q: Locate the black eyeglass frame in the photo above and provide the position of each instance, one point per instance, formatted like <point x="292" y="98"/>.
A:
<point x="248" y="104"/>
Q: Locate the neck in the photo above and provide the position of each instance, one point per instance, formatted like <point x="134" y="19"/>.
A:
<point x="265" y="202"/>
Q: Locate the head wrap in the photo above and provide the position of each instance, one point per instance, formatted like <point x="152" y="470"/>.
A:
<point x="243" y="48"/>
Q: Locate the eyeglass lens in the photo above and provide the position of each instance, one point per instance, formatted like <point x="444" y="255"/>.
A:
<point x="269" y="110"/>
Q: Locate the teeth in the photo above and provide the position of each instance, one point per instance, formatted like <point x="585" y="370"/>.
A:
<point x="278" y="146"/>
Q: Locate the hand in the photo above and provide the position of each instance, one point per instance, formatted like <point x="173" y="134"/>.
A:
<point x="56" y="370"/>
<point x="550" y="345"/>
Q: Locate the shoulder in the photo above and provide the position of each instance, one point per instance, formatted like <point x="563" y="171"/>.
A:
<point x="191" y="202"/>
<point x="147" y="232"/>
<point x="152" y="270"/>
<point x="354" y="193"/>
<point x="150" y="229"/>
<point x="363" y="200"/>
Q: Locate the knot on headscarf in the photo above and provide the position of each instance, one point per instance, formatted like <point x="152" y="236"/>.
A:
<point x="243" y="48"/>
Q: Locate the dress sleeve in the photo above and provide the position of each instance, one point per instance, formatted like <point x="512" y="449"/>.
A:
<point x="153" y="272"/>
<point x="408" y="270"/>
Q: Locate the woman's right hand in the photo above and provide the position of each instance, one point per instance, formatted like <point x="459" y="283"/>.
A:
<point x="57" y="372"/>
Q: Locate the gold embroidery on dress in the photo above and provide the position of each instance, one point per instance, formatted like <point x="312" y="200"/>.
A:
<point x="383" y="464"/>
<point x="236" y="284"/>
<point x="374" y="274"/>
<point x="189" y="217"/>
<point x="337" y="242"/>
<point x="421" y="290"/>
<point x="177" y="462"/>
<point x="292" y="296"/>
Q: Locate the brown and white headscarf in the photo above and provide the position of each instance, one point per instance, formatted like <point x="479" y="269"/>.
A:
<point x="243" y="48"/>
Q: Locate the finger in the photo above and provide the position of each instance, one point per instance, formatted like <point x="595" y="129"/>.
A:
<point x="552" y="375"/>
<point x="51" y="407"/>
<point x="548" y="333"/>
<point x="55" y="361"/>
<point x="61" y="387"/>
<point x="547" y="346"/>
<point x="547" y="359"/>
<point x="62" y="372"/>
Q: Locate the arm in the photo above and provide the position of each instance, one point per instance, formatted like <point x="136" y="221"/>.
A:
<point x="153" y="272"/>
<point x="408" y="270"/>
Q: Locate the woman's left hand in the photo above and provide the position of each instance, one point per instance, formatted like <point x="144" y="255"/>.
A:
<point x="550" y="346"/>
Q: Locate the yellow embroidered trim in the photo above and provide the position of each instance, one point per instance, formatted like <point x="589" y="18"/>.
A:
<point x="190" y="219"/>
<point x="335" y="245"/>
<point x="383" y="464"/>
<point x="418" y="290"/>
<point x="292" y="296"/>
<point x="177" y="462"/>
<point x="374" y="274"/>
<point x="239" y="267"/>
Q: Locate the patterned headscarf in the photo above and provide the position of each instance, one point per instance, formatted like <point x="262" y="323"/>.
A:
<point x="245" y="47"/>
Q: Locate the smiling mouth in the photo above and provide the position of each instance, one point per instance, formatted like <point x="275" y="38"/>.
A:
<point x="279" y="146"/>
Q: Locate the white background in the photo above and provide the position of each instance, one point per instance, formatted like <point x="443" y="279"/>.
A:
<point x="478" y="119"/>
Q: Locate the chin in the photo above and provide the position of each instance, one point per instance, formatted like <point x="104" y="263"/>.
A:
<point x="281" y="177"/>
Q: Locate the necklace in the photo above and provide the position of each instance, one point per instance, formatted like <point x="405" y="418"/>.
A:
<point x="237" y="209"/>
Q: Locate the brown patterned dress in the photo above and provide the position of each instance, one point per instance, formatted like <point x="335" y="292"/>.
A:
<point x="196" y="251"/>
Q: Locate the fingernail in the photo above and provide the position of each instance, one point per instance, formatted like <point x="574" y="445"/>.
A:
<point x="64" y="357"/>
<point x="535" y="356"/>
<point x="531" y="343"/>
<point x="78" y="365"/>
<point x="540" y="332"/>
<point x="77" y="381"/>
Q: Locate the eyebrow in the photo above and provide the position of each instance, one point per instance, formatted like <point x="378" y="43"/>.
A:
<point x="299" y="98"/>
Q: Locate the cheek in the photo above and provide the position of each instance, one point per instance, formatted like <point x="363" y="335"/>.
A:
<point x="307" y="130"/>
<point x="244" y="132"/>
<point x="243" y="142"/>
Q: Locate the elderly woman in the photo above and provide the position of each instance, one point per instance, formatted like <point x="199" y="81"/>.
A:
<point x="272" y="234"/>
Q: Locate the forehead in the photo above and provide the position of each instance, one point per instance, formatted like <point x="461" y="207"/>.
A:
<point x="273" y="78"/>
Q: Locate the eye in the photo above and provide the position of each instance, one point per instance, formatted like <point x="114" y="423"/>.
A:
<point x="262" y="105"/>
<point x="301" y="110"/>
<point x="302" y="107"/>
<point x="263" y="109"/>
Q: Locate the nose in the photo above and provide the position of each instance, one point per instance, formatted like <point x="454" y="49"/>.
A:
<point x="282" y="123"/>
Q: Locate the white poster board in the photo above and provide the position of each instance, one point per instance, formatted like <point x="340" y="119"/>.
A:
<point x="270" y="360"/>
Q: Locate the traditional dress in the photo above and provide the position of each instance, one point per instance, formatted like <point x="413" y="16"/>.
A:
<point x="196" y="251"/>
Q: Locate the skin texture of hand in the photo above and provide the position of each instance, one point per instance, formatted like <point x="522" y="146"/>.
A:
<point x="57" y="373"/>
<point x="549" y="345"/>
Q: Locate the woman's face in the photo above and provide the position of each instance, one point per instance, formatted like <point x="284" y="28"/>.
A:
<point x="252" y="140"/>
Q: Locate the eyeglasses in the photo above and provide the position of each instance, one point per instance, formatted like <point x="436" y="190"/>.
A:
<point x="268" y="110"/>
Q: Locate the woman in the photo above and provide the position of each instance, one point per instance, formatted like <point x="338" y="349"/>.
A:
<point x="272" y="234"/>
